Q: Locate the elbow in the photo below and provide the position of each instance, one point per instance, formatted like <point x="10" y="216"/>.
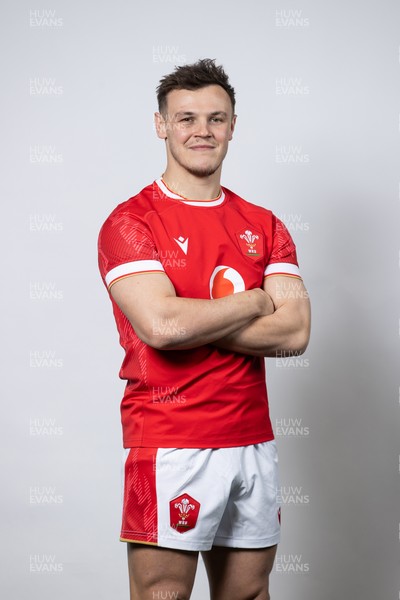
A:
<point x="161" y="335"/>
<point x="299" y="348"/>
<point x="162" y="342"/>
<point x="156" y="340"/>
<point x="158" y="343"/>
<point x="299" y="341"/>
<point x="301" y="336"/>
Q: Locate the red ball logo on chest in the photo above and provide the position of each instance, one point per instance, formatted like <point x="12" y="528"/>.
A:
<point x="225" y="281"/>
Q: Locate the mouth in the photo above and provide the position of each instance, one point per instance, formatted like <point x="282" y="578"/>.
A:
<point x="201" y="147"/>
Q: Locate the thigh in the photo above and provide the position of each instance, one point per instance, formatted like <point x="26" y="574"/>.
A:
<point x="156" y="572"/>
<point x="239" y="574"/>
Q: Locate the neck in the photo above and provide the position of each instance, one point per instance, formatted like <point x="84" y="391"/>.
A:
<point x="192" y="187"/>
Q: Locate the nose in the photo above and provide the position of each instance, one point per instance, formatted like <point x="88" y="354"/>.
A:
<point x="202" y="128"/>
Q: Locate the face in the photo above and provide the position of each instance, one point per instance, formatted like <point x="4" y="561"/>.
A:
<point x="197" y="128"/>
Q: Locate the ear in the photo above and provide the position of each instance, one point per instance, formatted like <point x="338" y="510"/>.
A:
<point x="161" y="126"/>
<point x="233" y="123"/>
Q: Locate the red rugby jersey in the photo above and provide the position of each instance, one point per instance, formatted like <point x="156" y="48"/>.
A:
<point x="204" y="397"/>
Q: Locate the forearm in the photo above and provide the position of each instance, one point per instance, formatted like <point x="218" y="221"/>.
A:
<point x="165" y="321"/>
<point x="175" y="323"/>
<point x="189" y="322"/>
<point x="285" y="330"/>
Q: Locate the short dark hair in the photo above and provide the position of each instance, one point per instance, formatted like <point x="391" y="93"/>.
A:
<point x="200" y="74"/>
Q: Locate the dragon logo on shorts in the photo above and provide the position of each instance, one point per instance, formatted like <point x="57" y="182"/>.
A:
<point x="184" y="511"/>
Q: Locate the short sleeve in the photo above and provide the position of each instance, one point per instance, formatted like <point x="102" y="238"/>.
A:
<point x="283" y="258"/>
<point x="126" y="248"/>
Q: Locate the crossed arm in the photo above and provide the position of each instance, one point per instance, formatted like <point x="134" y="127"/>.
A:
<point x="285" y="329"/>
<point x="259" y="322"/>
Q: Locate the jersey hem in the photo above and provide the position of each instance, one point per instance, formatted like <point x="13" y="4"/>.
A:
<point x="155" y="443"/>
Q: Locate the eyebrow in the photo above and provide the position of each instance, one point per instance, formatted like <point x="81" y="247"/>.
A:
<point x="191" y="114"/>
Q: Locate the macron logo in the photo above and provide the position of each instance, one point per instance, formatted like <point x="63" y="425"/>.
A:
<point x="182" y="243"/>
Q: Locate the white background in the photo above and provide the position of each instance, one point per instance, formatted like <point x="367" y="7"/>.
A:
<point x="78" y="94"/>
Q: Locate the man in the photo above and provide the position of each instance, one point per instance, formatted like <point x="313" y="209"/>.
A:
<point x="204" y="285"/>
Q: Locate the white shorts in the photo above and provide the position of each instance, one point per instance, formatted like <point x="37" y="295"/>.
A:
<point x="193" y="499"/>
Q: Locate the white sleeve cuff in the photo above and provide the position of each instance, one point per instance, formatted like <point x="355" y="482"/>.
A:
<point x="282" y="269"/>
<point x="133" y="268"/>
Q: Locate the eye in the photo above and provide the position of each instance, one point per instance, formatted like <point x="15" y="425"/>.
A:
<point x="217" y="119"/>
<point x="186" y="119"/>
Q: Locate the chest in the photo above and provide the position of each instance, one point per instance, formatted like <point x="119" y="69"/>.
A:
<point x="209" y="253"/>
